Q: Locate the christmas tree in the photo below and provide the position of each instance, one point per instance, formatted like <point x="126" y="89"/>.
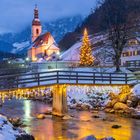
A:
<point x="86" y="58"/>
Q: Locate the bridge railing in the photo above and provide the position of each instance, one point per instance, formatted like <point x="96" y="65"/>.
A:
<point x="63" y="77"/>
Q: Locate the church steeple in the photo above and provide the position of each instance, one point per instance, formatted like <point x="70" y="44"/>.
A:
<point x="36" y="15"/>
<point x="36" y="25"/>
<point x="36" y="20"/>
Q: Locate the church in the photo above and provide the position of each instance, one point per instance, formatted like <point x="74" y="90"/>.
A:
<point x="44" y="47"/>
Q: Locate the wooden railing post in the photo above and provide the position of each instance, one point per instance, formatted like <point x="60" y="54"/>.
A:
<point x="38" y="79"/>
<point x="57" y="74"/>
<point x="77" y="78"/>
<point x="102" y="77"/>
<point x="110" y="78"/>
<point x="126" y="82"/>
<point x="94" y="78"/>
<point x="17" y="81"/>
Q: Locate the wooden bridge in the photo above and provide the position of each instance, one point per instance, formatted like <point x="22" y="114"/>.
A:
<point x="60" y="79"/>
<point x="64" y="77"/>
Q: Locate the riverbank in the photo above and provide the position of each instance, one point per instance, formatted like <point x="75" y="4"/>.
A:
<point x="10" y="132"/>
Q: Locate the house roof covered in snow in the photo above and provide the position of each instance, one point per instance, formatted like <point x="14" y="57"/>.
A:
<point x="133" y="44"/>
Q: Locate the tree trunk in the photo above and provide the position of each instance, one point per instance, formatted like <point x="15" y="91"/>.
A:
<point x="118" y="68"/>
<point x="117" y="64"/>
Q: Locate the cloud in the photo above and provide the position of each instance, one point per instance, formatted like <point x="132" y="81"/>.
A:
<point x="17" y="14"/>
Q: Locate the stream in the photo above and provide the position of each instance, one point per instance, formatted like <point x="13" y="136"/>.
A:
<point x="84" y="124"/>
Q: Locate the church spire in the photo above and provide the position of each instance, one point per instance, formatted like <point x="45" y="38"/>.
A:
<point x="36" y="25"/>
<point x="36" y="15"/>
<point x="36" y="20"/>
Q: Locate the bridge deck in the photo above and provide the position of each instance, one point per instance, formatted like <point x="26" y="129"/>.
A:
<point x="9" y="82"/>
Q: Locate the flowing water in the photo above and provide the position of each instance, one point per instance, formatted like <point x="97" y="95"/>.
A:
<point x="54" y="128"/>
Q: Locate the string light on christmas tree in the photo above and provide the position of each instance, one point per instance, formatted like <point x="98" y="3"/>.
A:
<point x="86" y="57"/>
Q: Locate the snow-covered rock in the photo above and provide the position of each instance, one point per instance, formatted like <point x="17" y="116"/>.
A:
<point x="91" y="97"/>
<point x="136" y="90"/>
<point x="9" y="132"/>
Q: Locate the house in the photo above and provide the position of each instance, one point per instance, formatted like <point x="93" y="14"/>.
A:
<point x="131" y="53"/>
<point x="43" y="46"/>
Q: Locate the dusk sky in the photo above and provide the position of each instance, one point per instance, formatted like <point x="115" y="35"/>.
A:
<point x="17" y="14"/>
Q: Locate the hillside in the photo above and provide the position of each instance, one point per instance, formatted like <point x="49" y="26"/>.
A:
<point x="96" y="23"/>
<point x="98" y="34"/>
<point x="101" y="50"/>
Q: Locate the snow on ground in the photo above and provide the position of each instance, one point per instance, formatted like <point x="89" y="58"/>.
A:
<point x="20" y="46"/>
<point x="98" y="38"/>
<point x="72" y="53"/>
<point x="7" y="131"/>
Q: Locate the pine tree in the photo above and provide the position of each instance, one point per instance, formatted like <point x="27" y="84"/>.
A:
<point x="86" y="58"/>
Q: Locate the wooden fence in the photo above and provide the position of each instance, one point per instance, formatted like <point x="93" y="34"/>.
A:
<point x="133" y="64"/>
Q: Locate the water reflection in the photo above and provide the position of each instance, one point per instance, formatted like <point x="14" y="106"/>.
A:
<point x="27" y="109"/>
<point x="53" y="128"/>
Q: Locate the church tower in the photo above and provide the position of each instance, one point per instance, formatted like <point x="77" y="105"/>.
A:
<point x="36" y="25"/>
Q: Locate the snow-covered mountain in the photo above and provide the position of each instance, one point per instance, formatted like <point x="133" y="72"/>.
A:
<point x="20" y="42"/>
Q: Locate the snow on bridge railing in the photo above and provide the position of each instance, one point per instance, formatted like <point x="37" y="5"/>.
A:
<point x="8" y="82"/>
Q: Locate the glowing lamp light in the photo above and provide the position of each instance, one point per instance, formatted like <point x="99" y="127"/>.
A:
<point x="58" y="53"/>
<point x="27" y="59"/>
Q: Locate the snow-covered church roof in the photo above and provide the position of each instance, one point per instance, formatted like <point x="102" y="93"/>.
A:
<point x="47" y="39"/>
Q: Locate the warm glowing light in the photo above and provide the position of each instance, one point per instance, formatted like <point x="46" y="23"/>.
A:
<point x="86" y="57"/>
<point x="58" y="53"/>
<point x="35" y="59"/>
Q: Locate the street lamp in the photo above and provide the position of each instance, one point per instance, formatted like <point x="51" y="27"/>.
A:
<point x="27" y="59"/>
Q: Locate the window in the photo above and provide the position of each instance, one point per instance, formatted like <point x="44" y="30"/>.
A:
<point x="126" y="54"/>
<point x="37" y="31"/>
<point x="135" y="53"/>
<point x="46" y="53"/>
<point x="138" y="52"/>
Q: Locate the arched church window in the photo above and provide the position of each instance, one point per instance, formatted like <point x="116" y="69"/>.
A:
<point x="37" y="31"/>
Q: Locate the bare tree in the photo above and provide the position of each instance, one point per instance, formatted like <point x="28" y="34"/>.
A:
<point x="116" y="21"/>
